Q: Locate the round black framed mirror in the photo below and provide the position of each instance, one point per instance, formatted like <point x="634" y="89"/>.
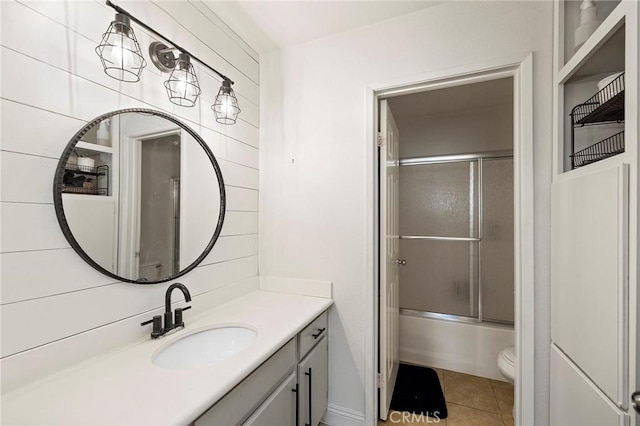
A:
<point x="139" y="196"/>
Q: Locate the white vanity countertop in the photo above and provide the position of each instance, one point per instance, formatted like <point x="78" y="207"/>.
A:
<point x="125" y="387"/>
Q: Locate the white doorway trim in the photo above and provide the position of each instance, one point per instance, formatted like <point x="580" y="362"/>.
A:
<point x="129" y="217"/>
<point x="521" y="69"/>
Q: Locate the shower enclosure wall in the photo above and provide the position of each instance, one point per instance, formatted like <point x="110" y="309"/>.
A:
<point x="456" y="235"/>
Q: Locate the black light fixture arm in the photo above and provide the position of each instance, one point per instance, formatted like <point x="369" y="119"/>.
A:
<point x="175" y="46"/>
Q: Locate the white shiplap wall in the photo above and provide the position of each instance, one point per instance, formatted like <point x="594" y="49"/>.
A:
<point x="55" y="309"/>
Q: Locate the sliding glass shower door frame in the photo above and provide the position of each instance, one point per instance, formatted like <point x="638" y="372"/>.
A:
<point x="473" y="158"/>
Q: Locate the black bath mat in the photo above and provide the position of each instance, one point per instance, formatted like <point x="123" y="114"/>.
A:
<point x="418" y="391"/>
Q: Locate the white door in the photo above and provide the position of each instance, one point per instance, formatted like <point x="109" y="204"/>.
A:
<point x="389" y="345"/>
<point x="129" y="211"/>
<point x="590" y="297"/>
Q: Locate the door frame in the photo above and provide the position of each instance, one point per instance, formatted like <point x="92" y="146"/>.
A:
<point x="130" y="200"/>
<point x="521" y="69"/>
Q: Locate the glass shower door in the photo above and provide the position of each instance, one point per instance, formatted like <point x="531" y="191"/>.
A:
<point x="456" y="235"/>
<point x="439" y="238"/>
<point x="497" y="272"/>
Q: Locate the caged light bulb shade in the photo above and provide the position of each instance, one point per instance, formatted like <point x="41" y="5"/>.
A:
<point x="120" y="52"/>
<point x="225" y="107"/>
<point x="182" y="86"/>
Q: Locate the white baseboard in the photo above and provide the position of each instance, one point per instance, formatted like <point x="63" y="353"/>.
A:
<point x="341" y="416"/>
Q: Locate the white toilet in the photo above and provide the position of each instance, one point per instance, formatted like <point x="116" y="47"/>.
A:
<point x="507" y="363"/>
<point x="507" y="366"/>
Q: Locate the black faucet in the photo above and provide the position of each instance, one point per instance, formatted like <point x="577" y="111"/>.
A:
<point x="169" y="323"/>
<point x="168" y="320"/>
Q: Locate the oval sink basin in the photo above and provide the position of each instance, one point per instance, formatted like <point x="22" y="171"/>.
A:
<point x="204" y="347"/>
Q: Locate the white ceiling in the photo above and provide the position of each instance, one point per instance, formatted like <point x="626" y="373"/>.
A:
<point x="286" y="23"/>
<point x="469" y="96"/>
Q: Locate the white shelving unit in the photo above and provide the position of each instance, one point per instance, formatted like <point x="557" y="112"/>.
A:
<point x="92" y="215"/>
<point x="591" y="380"/>
<point x="103" y="155"/>
<point x="92" y="148"/>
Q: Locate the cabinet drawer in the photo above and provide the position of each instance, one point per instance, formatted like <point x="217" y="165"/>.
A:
<point x="242" y="400"/>
<point x="311" y="335"/>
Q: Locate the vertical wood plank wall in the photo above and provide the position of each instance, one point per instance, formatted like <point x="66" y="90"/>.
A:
<point x="55" y="309"/>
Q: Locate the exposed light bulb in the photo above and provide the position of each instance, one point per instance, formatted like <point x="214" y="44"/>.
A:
<point x="121" y="52"/>
<point x="184" y="87"/>
<point x="226" y="105"/>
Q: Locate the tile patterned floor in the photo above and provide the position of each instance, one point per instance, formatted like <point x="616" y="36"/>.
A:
<point x="471" y="401"/>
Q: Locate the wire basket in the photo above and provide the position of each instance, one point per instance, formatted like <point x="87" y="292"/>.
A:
<point x="605" y="106"/>
<point x="87" y="170"/>
<point x="75" y="179"/>
<point x="82" y="190"/>
<point x="608" y="147"/>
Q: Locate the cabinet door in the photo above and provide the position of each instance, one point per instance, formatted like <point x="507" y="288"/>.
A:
<point x="589" y="287"/>
<point x="242" y="400"/>
<point x="313" y="385"/>
<point x="280" y="408"/>
<point x="575" y="400"/>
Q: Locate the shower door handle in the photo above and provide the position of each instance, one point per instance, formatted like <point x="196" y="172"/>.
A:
<point x="402" y="262"/>
<point x="635" y="401"/>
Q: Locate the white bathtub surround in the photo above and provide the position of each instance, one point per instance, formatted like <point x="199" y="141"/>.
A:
<point x="298" y="286"/>
<point x="138" y="392"/>
<point x="456" y="346"/>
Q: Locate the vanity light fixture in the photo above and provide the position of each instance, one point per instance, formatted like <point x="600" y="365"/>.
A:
<point x="226" y="107"/>
<point x="120" y="52"/>
<point x="182" y="86"/>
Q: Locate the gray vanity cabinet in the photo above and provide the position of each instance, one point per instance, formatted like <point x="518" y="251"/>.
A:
<point x="279" y="408"/>
<point x="313" y="385"/>
<point x="279" y="391"/>
<point x="250" y="395"/>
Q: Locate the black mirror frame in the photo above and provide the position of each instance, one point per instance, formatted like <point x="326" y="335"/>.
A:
<point x="62" y="220"/>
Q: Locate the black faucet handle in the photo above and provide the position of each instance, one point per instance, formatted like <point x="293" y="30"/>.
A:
<point x="157" y="325"/>
<point x="178" y="320"/>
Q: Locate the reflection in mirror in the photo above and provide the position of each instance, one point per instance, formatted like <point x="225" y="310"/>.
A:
<point x="139" y="196"/>
<point x="159" y="207"/>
